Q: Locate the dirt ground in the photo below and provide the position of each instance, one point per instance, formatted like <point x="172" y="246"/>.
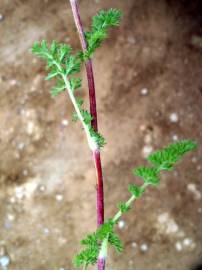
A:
<point x="149" y="90"/>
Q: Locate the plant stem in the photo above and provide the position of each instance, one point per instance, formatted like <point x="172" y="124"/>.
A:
<point x="93" y="111"/>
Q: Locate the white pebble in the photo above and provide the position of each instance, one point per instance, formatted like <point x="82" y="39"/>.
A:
<point x="30" y="127"/>
<point x="134" y="244"/>
<point x="21" y="146"/>
<point x="46" y="231"/>
<point x="131" y="40"/>
<point x="25" y="172"/>
<point x="4" y="261"/>
<point x="19" y="192"/>
<point x="1" y="17"/>
<point x="178" y="246"/>
<point x="144" y="91"/>
<point x="147" y="149"/>
<point x="175" y="137"/>
<point x="121" y="224"/>
<point x="144" y="247"/>
<point x="59" y="197"/>
<point x="174" y="117"/>
<point x="192" y="188"/>
<point x="13" y="82"/>
<point x="42" y="188"/>
<point x="65" y="122"/>
<point x="187" y="241"/>
<point x="11" y="217"/>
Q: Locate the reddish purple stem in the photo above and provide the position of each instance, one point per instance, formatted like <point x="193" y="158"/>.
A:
<point x="101" y="264"/>
<point x="93" y="111"/>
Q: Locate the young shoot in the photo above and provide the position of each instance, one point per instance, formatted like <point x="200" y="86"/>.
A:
<point x="64" y="66"/>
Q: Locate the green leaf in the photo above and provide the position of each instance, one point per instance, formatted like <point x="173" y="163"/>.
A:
<point x="106" y="19"/>
<point x="99" y="30"/>
<point x="86" y="116"/>
<point x="52" y="74"/>
<point x="75" y="83"/>
<point x="165" y="159"/>
<point x="123" y="207"/>
<point x="97" y="137"/>
<point x="104" y="230"/>
<point x="73" y="65"/>
<point x="64" y="51"/>
<point x="149" y="175"/>
<point x="135" y="190"/>
<point x="60" y="87"/>
<point x="86" y="257"/>
<point x="115" y="241"/>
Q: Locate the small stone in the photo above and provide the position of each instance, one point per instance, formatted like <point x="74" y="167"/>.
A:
<point x="121" y="224"/>
<point x="199" y="210"/>
<point x="19" y="193"/>
<point x="65" y="122"/>
<point x="46" y="231"/>
<point x="4" y="261"/>
<point x="134" y="244"/>
<point x="1" y="17"/>
<point x="175" y="137"/>
<point x="12" y="200"/>
<point x="178" y="246"/>
<point x="144" y="91"/>
<point x="41" y="188"/>
<point x="144" y="247"/>
<point x="131" y="40"/>
<point x="147" y="149"/>
<point x="2" y="251"/>
<point x="25" y="172"/>
<point x="187" y="241"/>
<point x="30" y="128"/>
<point x="192" y="188"/>
<point x="174" y="117"/>
<point x="194" y="159"/>
<point x="13" y="82"/>
<point x="59" y="197"/>
<point x="147" y="138"/>
<point x="11" y="217"/>
<point x="21" y="146"/>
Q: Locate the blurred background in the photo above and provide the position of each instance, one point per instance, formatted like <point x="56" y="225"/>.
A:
<point x="149" y="94"/>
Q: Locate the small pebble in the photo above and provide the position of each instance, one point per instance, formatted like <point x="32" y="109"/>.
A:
<point x="147" y="149"/>
<point x="121" y="224"/>
<point x="4" y="261"/>
<point x="174" y="117"/>
<point x="41" y="188"/>
<point x="21" y="146"/>
<point x="178" y="246"/>
<point x="1" y="17"/>
<point x="13" y="82"/>
<point x="25" y="172"/>
<point x="134" y="244"/>
<point x="175" y="137"/>
<point x="144" y="91"/>
<point x="187" y="241"/>
<point x="46" y="231"/>
<point x="59" y="197"/>
<point x="65" y="122"/>
<point x="199" y="210"/>
<point x="131" y="40"/>
<point x="144" y="247"/>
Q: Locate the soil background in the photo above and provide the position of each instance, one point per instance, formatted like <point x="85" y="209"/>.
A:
<point x="149" y="93"/>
